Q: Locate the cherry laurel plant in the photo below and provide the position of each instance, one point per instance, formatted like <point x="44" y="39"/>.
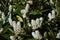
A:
<point x="29" y="19"/>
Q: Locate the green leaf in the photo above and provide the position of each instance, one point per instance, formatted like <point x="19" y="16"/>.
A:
<point x="5" y="28"/>
<point x="7" y="36"/>
<point x="1" y="22"/>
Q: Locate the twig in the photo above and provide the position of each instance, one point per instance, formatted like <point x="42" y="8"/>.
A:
<point x="3" y="4"/>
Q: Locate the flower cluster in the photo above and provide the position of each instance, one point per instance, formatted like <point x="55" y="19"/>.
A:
<point x="51" y="15"/>
<point x="16" y="26"/>
<point x="36" y="23"/>
<point x="24" y="11"/>
<point x="37" y="35"/>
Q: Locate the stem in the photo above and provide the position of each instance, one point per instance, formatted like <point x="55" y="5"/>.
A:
<point x="11" y="30"/>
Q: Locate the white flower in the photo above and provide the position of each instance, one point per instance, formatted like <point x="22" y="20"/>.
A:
<point x="58" y="35"/>
<point x="1" y="29"/>
<point x="30" y="2"/>
<point x="10" y="21"/>
<point x="18" y="24"/>
<point x="18" y="27"/>
<point x="53" y="14"/>
<point x="33" y="23"/>
<point x="36" y="35"/>
<point x="14" y="26"/>
<point x="37" y="21"/>
<point x="49" y="16"/>
<point x="41" y="20"/>
<point x="10" y="8"/>
<point x="12" y="37"/>
<point x="3" y="17"/>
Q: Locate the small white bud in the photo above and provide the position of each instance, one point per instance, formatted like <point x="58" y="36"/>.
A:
<point x="24" y="15"/>
<point x="51" y="1"/>
<point x="23" y="11"/>
<point x="18" y="27"/>
<point x="10" y="21"/>
<point x="18" y="24"/>
<point x="10" y="8"/>
<point x="53" y="14"/>
<point x="30" y="2"/>
<point x="49" y="16"/>
<point x="14" y="25"/>
<point x="45" y="34"/>
<point x="14" y="10"/>
<point x="33" y="22"/>
<point x="3" y="17"/>
<point x="9" y="13"/>
<point x="27" y="7"/>
<point x="41" y="20"/>
<point x="37" y="21"/>
<point x="1" y="29"/>
<point x="58" y="35"/>
<point x="12" y="37"/>
<point x="29" y="24"/>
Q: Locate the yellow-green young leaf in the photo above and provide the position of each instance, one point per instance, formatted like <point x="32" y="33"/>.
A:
<point x="19" y="18"/>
